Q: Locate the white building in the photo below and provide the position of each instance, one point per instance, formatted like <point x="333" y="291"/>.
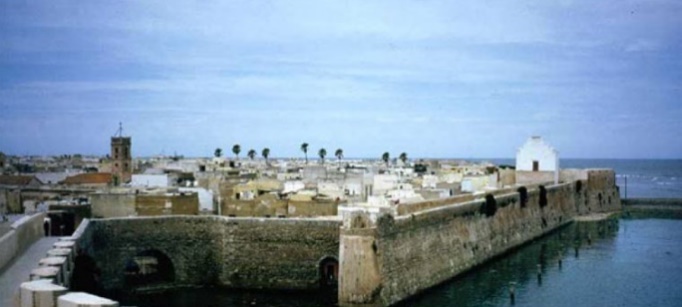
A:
<point x="150" y="181"/>
<point x="537" y="156"/>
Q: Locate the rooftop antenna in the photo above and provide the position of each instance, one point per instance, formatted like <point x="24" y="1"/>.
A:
<point x="119" y="132"/>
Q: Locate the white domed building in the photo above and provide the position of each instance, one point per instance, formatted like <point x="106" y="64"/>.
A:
<point x="537" y="162"/>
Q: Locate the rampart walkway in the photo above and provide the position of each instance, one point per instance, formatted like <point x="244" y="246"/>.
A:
<point x="20" y="268"/>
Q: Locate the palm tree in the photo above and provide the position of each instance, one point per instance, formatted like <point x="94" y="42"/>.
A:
<point x="218" y="152"/>
<point x="403" y="157"/>
<point x="322" y="153"/>
<point x="385" y="157"/>
<point x="265" y="153"/>
<point x="339" y="154"/>
<point x="236" y="149"/>
<point x="251" y="154"/>
<point x="304" y="149"/>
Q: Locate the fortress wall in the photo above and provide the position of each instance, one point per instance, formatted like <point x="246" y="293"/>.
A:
<point x="211" y="250"/>
<point x="191" y="243"/>
<point x="276" y="253"/>
<point x="22" y="234"/>
<point x="399" y="257"/>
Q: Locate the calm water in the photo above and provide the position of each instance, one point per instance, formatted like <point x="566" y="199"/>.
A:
<point x="617" y="263"/>
<point x="628" y="263"/>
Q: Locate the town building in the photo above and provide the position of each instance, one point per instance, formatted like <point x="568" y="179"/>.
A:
<point x="537" y="162"/>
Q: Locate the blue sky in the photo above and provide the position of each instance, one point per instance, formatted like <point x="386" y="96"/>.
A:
<point x="431" y="78"/>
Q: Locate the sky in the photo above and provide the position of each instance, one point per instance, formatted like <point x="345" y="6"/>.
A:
<point x="434" y="79"/>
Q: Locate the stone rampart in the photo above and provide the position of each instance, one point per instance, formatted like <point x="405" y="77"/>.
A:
<point x="397" y="257"/>
<point x="22" y="234"/>
<point x="210" y="250"/>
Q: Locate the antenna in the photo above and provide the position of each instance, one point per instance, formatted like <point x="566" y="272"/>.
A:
<point x="119" y="132"/>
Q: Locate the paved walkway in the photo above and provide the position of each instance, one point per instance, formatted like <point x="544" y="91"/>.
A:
<point x="19" y="269"/>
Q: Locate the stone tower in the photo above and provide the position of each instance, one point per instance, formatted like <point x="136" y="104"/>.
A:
<point x="122" y="162"/>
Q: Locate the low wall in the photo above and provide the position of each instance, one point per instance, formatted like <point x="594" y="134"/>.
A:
<point x="653" y="202"/>
<point x="527" y="177"/>
<point x="664" y="208"/>
<point x="23" y="233"/>
<point x="272" y="207"/>
<point x="112" y="204"/>
<point x="210" y="250"/>
<point x="397" y="257"/>
<point x="176" y="204"/>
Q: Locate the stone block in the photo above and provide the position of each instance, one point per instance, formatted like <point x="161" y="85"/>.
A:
<point x="40" y="293"/>
<point x="82" y="299"/>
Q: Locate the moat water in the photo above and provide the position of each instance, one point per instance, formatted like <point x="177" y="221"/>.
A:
<point x="618" y="262"/>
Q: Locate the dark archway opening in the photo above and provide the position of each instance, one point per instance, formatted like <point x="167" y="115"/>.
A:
<point x="85" y="276"/>
<point x="148" y="268"/>
<point x="329" y="273"/>
<point x="523" y="196"/>
<point x="578" y="186"/>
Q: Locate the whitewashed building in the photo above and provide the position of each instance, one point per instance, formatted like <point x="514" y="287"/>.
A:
<point x="150" y="181"/>
<point x="535" y="160"/>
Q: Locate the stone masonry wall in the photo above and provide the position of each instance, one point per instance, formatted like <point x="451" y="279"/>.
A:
<point x="211" y="250"/>
<point x="401" y="256"/>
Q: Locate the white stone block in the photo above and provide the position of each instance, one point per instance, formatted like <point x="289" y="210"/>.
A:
<point x="40" y="293"/>
<point x="82" y="299"/>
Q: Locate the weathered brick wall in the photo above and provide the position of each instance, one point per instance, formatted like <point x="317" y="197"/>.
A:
<point x="211" y="250"/>
<point x="272" y="207"/>
<point x="154" y="205"/>
<point x="312" y="208"/>
<point x="276" y="253"/>
<point x="106" y="205"/>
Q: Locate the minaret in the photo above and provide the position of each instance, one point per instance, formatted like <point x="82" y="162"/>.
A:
<point x="122" y="163"/>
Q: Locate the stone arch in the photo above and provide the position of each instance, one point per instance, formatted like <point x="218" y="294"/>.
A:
<point x="328" y="272"/>
<point x="148" y="268"/>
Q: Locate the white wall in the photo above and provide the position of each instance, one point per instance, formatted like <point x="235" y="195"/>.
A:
<point x="535" y="149"/>
<point x="160" y="181"/>
<point x="205" y="197"/>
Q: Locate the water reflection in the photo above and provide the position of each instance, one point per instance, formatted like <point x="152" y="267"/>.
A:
<point x="608" y="263"/>
<point x="510" y="276"/>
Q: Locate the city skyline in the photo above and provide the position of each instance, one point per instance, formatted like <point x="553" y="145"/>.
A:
<point x="430" y="78"/>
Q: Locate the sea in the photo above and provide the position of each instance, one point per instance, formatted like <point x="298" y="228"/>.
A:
<point x="617" y="262"/>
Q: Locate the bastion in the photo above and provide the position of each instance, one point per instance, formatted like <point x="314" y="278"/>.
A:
<point x="371" y="259"/>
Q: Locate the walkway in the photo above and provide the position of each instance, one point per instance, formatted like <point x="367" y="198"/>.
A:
<point x="20" y="268"/>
